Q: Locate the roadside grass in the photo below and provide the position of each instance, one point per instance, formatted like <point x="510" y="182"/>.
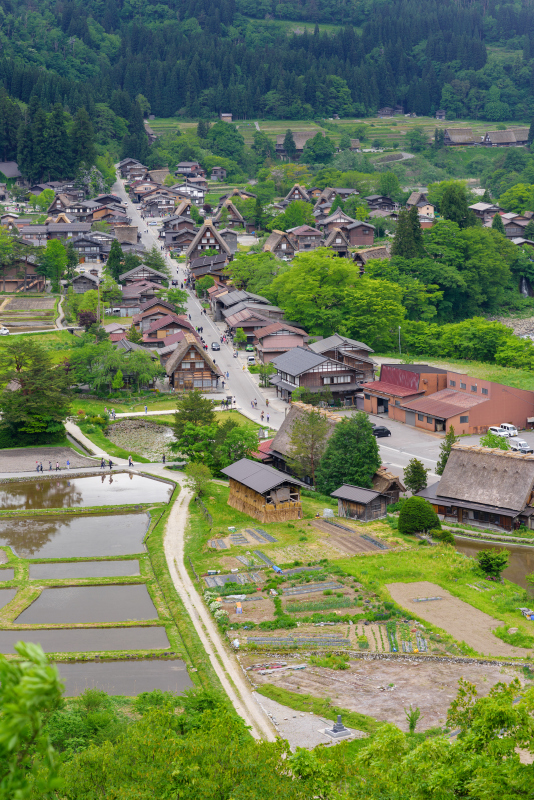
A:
<point x="224" y="516"/>
<point x="320" y="706"/>
<point x="57" y="343"/>
<point x="445" y="567"/>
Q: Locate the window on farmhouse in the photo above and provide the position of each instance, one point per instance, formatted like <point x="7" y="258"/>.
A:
<point x="464" y="419"/>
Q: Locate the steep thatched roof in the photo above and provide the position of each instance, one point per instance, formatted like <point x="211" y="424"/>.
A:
<point x="499" y="478"/>
<point x="281" y="442"/>
<point x="183" y="347"/>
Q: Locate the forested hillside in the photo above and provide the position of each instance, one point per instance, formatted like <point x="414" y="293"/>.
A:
<point x="198" y="57"/>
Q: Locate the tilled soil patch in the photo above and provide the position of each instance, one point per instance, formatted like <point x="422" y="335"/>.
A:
<point x="148" y="439"/>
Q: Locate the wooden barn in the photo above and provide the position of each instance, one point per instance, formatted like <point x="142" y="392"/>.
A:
<point x="354" y="502"/>
<point x="262" y="492"/>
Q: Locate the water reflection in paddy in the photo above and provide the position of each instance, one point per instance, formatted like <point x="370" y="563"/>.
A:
<point x="110" y="489"/>
<point x="128" y="678"/>
<point x="75" y="537"/>
<point x="91" y="640"/>
<point x="83" y="569"/>
<point x="76" y="604"/>
<point x="6" y="596"/>
<point x="520" y="561"/>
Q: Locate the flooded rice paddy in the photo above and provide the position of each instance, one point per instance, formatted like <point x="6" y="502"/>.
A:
<point x="7" y="574"/>
<point x="128" y="678"/>
<point x="520" y="562"/>
<point x="6" y="596"/>
<point x="83" y="569"/>
<point x="76" y="604"/>
<point x="107" y="489"/>
<point x="91" y="640"/>
<point x="75" y="537"/>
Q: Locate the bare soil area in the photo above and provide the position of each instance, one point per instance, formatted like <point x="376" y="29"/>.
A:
<point x="458" y="618"/>
<point x="383" y="689"/>
<point x="258" y="610"/>
<point x="30" y="304"/>
<point x="24" y="459"/>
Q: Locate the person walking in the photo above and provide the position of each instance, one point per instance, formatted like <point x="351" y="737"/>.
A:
<point x="262" y="416"/>
<point x="163" y="459"/>
<point x="102" y="463"/>
<point x="57" y="465"/>
<point x="267" y="418"/>
<point x="37" y="466"/>
<point x="50" y="466"/>
<point x="110" y="463"/>
<point x="68" y="464"/>
<point x="234" y="400"/>
<point x="255" y="403"/>
<point x="267" y="402"/>
<point x="130" y="462"/>
<point x="146" y="409"/>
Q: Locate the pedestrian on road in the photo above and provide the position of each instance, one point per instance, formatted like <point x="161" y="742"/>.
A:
<point x="227" y="375"/>
<point x="68" y="464"/>
<point x="255" y="403"/>
<point x="267" y="402"/>
<point x="262" y="415"/>
<point x="252" y="403"/>
<point x="37" y="466"/>
<point x="234" y="400"/>
<point x="267" y="418"/>
<point x="57" y="465"/>
<point x="102" y="463"/>
<point x="110" y="463"/>
<point x="223" y="384"/>
<point x="41" y="466"/>
<point x="163" y="459"/>
<point x="50" y="466"/>
<point x="130" y="462"/>
<point x="146" y="409"/>
<point x="243" y="367"/>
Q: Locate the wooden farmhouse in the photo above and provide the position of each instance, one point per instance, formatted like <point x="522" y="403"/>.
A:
<point x="190" y="367"/>
<point x="207" y="238"/>
<point x="354" y="502"/>
<point x="280" y="244"/>
<point x="142" y="273"/>
<point x="262" y="492"/>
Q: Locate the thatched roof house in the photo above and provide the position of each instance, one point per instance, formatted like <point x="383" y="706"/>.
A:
<point x="485" y="486"/>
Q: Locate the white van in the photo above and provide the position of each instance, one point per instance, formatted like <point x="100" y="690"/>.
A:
<point x="518" y="444"/>
<point x="511" y="430"/>
<point x="251" y="360"/>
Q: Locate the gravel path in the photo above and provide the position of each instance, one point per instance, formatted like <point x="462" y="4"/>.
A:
<point x="226" y="667"/>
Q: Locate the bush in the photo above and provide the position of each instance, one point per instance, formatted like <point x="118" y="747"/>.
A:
<point x="417" y="516"/>
<point x="442" y="535"/>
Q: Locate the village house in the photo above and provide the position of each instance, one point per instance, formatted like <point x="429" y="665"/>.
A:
<point x="90" y="250"/>
<point x="514" y="225"/>
<point x="359" y="233"/>
<point x="10" y="169"/>
<point x="304" y="368"/>
<point x="338" y="219"/>
<point x="297" y="192"/>
<point x="353" y="502"/>
<point x="216" y="266"/>
<point x="189" y="168"/>
<point x="512" y="137"/>
<point x="230" y="237"/>
<point x="390" y="111"/>
<point x="218" y="174"/>
<point x="441" y="114"/>
<point x="166" y="326"/>
<point x="228" y="215"/>
<point x="251" y="307"/>
<point x="454" y="137"/>
<point x="280" y="244"/>
<point x="39" y="235"/>
<point x="355" y="146"/>
<point x="190" y="367"/>
<point x="249" y="320"/>
<point x="273" y="340"/>
<point x="262" y="492"/>
<point x="142" y="273"/>
<point x="361" y="257"/>
<point x="420" y="200"/>
<point x="179" y="241"/>
<point x="299" y="137"/>
<point x="207" y="238"/>
<point x="239" y="194"/>
<point x="135" y="295"/>
<point x="176" y="223"/>
<point x="347" y="351"/>
<point x="485" y="211"/>
<point x="486" y="487"/>
<point x="229" y="298"/>
<point x="150" y="312"/>
<point x="84" y="282"/>
<point x="304" y="237"/>
<point x="338" y="242"/>
<point x="380" y="202"/>
<point x="126" y="164"/>
<point x="22" y="276"/>
<point x="189" y="189"/>
<point x="399" y="383"/>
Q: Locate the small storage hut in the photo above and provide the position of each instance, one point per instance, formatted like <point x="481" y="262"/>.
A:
<point x="357" y="503"/>
<point x="262" y="492"/>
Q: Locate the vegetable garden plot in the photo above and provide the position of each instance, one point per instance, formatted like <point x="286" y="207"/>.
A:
<point x="309" y="588"/>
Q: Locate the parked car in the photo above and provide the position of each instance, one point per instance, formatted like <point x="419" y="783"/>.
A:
<point x="215" y="346"/>
<point x="498" y="432"/>
<point x="381" y="430"/>
<point x="4" y="332"/>
<point x="251" y="360"/>
<point x="517" y="444"/>
<point x="526" y="451"/>
<point x="511" y="429"/>
<point x="249" y="348"/>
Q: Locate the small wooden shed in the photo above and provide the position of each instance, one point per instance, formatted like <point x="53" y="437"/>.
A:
<point x="357" y="503"/>
<point x="263" y="492"/>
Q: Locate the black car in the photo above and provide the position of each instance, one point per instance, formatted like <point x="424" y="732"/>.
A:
<point x="215" y="346"/>
<point x="381" y="430"/>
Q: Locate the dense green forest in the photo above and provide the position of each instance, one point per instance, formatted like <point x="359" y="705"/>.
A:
<point x="200" y="57"/>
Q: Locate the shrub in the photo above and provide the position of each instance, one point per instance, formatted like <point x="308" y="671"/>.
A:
<point x="442" y="535"/>
<point x="417" y="516"/>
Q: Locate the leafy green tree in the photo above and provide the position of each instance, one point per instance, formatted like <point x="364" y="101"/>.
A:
<point x="41" y="403"/>
<point x="263" y="146"/>
<point x="416" y="475"/>
<point x="196" y="215"/>
<point x="115" y="265"/>
<point x="198" y="478"/>
<point x="155" y="260"/>
<point x="493" y="562"/>
<point x="118" y="380"/>
<point x="53" y="263"/>
<point x="498" y="225"/>
<point x="134" y="335"/>
<point x="389" y="185"/>
<point x="225" y="140"/>
<point x="72" y="260"/>
<point x="417" y="139"/>
<point x="318" y="150"/>
<point x="240" y="336"/>
<point x="518" y="198"/>
<point x="289" y="145"/>
<point x="265" y="372"/>
<point x="307" y="443"/>
<point x="454" y="205"/>
<point x="445" y="450"/>
<point x="253" y="271"/>
<point x="44" y="199"/>
<point x="192" y="408"/>
<point x="351" y="455"/>
<point x="178" y="297"/>
<point x="203" y="284"/>
<point x="496" y="442"/>
<point x="59" y="161"/>
<point x="417" y="516"/>
<point x="344" y="142"/>
<point x="299" y="212"/>
<point x="142" y="368"/>
<point x="529" y="230"/>
<point x="131" y="261"/>
<point x="531" y="131"/>
<point x="239" y="443"/>
<point x="29" y="691"/>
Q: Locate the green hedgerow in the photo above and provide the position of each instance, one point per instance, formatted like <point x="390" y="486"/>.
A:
<point x="417" y="516"/>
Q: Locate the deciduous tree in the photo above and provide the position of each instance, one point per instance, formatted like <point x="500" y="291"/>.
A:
<point x="415" y="475"/>
<point x="307" y="443"/>
<point x="351" y="455"/>
<point x="445" y="450"/>
<point x="192" y="408"/>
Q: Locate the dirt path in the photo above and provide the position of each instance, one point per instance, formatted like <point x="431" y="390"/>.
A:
<point x="227" y="669"/>
<point x="463" y="621"/>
